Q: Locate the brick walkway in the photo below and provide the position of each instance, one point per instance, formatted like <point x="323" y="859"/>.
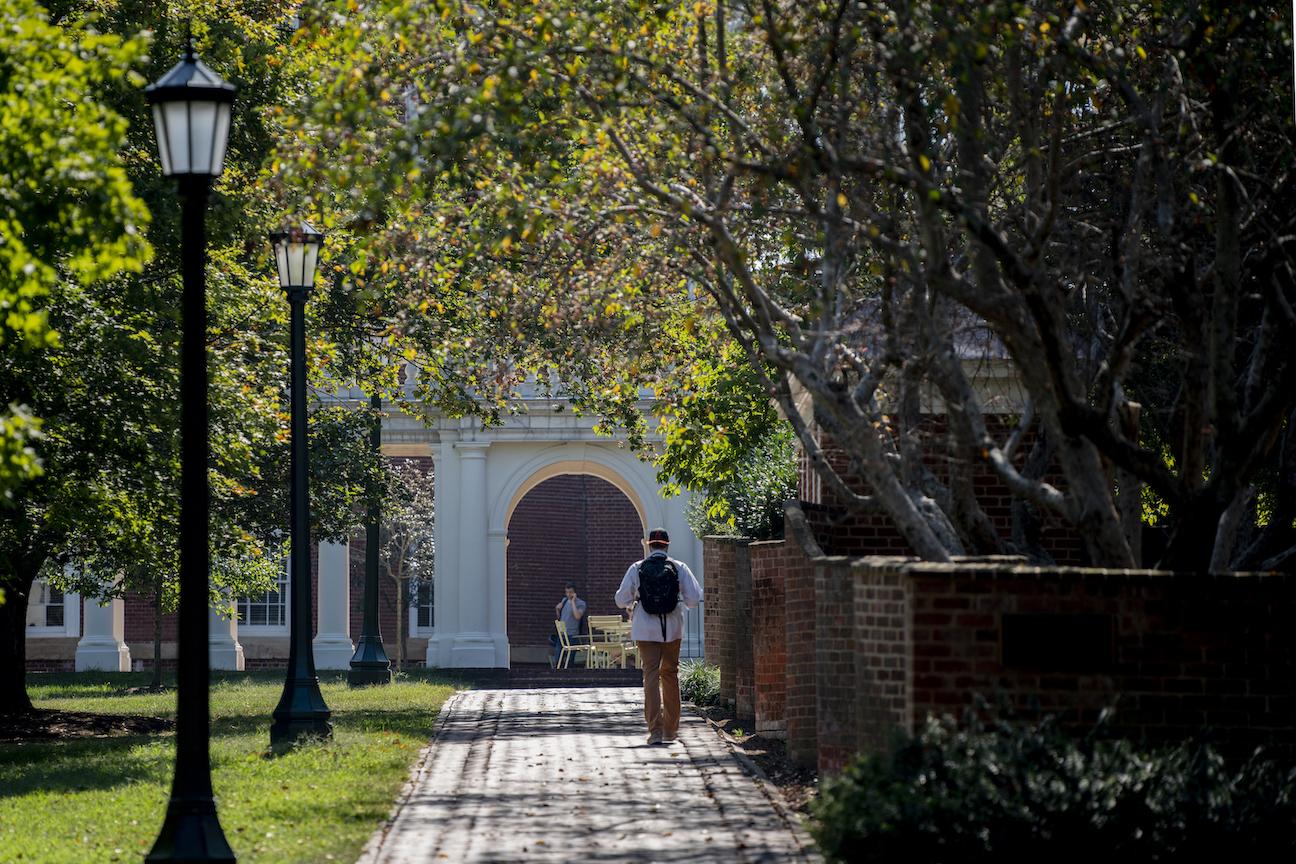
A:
<point x="563" y="775"/>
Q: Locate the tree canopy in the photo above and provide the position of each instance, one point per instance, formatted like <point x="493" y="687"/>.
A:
<point x="872" y="196"/>
<point x="104" y="382"/>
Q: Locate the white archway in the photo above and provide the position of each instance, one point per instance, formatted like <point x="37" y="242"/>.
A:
<point x="481" y="476"/>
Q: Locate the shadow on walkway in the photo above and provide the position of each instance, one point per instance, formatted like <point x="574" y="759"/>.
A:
<point x="558" y="775"/>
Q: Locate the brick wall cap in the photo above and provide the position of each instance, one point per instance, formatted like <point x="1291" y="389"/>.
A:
<point x="733" y="539"/>
<point x="992" y="570"/>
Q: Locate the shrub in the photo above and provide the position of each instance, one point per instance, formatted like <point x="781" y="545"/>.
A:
<point x="1018" y="792"/>
<point x="699" y="683"/>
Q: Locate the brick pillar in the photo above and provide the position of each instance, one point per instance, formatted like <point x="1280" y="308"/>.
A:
<point x="883" y="652"/>
<point x="835" y="662"/>
<point x="744" y="662"/>
<point x="799" y="637"/>
<point x="721" y="611"/>
<point x="769" y="564"/>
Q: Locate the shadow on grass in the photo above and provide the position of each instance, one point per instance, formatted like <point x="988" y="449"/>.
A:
<point x="414" y="722"/>
<point x="88" y="685"/>
<point x="66" y="766"/>
<point x="78" y="765"/>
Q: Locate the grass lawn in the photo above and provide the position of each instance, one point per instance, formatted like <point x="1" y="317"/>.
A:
<point x="103" y="799"/>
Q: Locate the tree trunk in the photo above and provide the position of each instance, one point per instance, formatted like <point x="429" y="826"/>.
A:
<point x="13" y="645"/>
<point x="402" y="612"/>
<point x="156" y="684"/>
<point x="1129" y="499"/>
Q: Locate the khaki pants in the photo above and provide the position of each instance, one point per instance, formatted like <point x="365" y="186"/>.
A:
<point x="660" y="663"/>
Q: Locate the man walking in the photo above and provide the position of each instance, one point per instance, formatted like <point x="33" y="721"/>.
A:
<point x="659" y="583"/>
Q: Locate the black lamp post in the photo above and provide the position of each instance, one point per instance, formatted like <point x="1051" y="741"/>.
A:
<point x="370" y="664"/>
<point x="301" y="711"/>
<point x="191" y="113"/>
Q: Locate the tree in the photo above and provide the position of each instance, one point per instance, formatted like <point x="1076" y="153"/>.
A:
<point x="723" y="439"/>
<point x="107" y="388"/>
<point x="408" y="539"/>
<point x="870" y="195"/>
<point x="66" y="206"/>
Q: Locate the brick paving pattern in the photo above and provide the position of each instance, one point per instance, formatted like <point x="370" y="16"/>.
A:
<point x="564" y="774"/>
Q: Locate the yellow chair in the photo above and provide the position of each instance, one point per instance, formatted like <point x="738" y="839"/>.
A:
<point x="610" y="637"/>
<point x="599" y="625"/>
<point x="607" y="637"/>
<point x="568" y="649"/>
<point x="628" y="648"/>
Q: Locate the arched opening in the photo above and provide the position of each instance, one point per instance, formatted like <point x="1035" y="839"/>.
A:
<point x="568" y="527"/>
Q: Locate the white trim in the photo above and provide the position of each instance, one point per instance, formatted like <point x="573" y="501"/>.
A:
<point x="71" y="619"/>
<point x="248" y="629"/>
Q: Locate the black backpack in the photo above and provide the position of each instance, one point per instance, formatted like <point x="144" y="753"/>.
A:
<point x="659" y="587"/>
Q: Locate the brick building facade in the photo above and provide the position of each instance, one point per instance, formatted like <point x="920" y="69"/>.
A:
<point x="539" y="492"/>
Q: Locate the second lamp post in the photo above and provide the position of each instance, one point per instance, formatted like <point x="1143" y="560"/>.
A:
<point x="301" y="712"/>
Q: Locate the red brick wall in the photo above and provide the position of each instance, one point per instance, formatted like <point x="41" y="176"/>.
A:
<point x="769" y="567"/>
<point x="1185" y="652"/>
<point x="717" y="564"/>
<point x="138" y="612"/>
<point x="834" y="644"/>
<point x="721" y="621"/>
<point x="744" y="655"/>
<point x="884" y="661"/>
<point x="576" y="528"/>
<point x="800" y="625"/>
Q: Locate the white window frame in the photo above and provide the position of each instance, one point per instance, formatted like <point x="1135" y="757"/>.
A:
<point x="413" y="628"/>
<point x="71" y="616"/>
<point x="269" y="629"/>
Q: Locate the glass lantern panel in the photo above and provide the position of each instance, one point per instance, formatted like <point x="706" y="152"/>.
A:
<point x="202" y="128"/>
<point x="281" y="262"/>
<point x="308" y="270"/>
<point x="177" y="139"/>
<point x="164" y="146"/>
<point x="221" y="138"/>
<point x="296" y="259"/>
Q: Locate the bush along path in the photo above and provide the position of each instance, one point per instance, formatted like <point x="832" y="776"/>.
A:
<point x="1016" y="791"/>
<point x="559" y="775"/>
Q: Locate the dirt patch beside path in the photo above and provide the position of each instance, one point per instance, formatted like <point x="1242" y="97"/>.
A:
<point x="797" y="785"/>
<point x="42" y="725"/>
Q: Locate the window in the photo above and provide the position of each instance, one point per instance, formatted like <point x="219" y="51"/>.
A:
<point x="424" y="604"/>
<point x="269" y="610"/>
<point x="46" y="607"/>
<point x="50" y="612"/>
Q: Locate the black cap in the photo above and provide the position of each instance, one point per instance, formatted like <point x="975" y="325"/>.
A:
<point x="658" y="536"/>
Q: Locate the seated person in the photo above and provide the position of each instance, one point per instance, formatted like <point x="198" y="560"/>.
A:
<point x="569" y="610"/>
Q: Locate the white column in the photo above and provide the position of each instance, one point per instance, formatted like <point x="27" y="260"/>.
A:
<point x="223" y="648"/>
<point x="103" y="646"/>
<point x="473" y="646"/>
<point x="498" y="587"/>
<point x="445" y="495"/>
<point x="686" y="547"/>
<point x="333" y="647"/>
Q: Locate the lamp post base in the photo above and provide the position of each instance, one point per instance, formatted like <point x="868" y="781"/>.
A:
<point x="301" y="714"/>
<point x="370" y="665"/>
<point x="191" y="832"/>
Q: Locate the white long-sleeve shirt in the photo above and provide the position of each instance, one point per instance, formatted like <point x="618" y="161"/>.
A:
<point x="647" y="628"/>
